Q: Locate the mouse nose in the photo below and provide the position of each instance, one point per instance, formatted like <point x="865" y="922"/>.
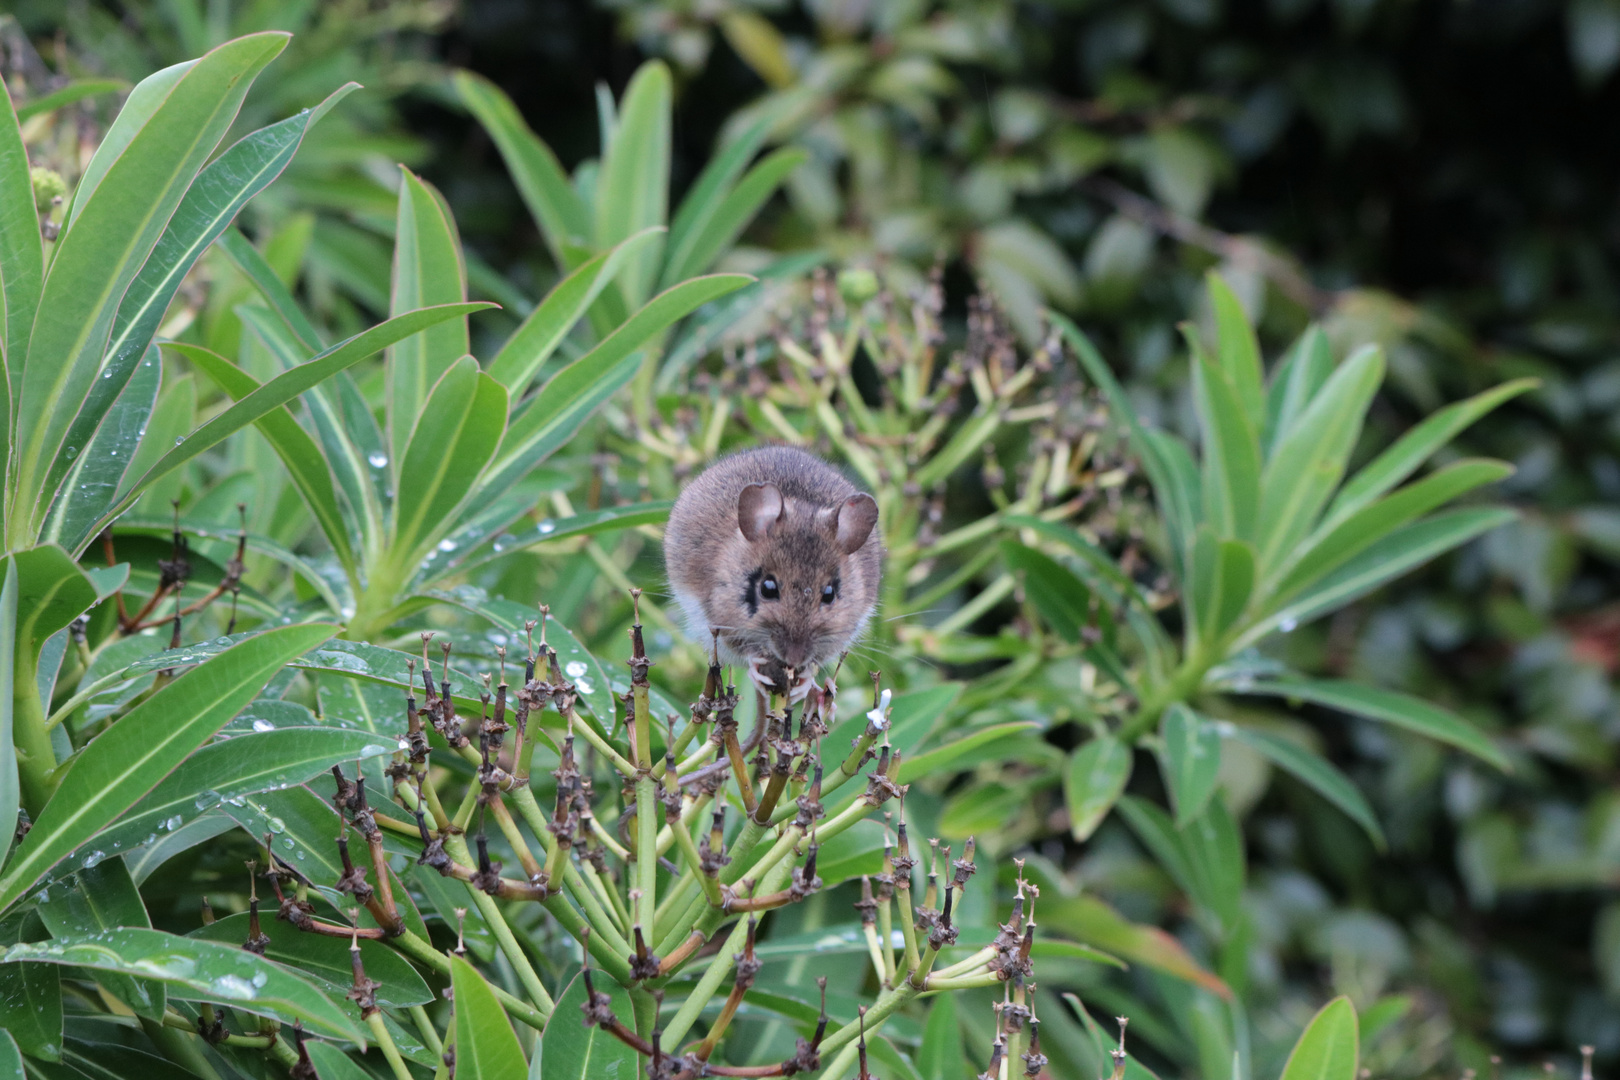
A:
<point x="793" y="653"/>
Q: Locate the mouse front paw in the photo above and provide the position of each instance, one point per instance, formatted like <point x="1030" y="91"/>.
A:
<point x="770" y="676"/>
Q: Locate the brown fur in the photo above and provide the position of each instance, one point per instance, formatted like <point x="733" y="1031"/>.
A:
<point x="714" y="569"/>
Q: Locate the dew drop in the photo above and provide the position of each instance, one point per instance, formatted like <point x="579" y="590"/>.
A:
<point x="263" y="725"/>
<point x="1287" y="625"/>
<point x="287" y="843"/>
<point x="178" y="439"/>
<point x="277" y="826"/>
<point x="447" y="544"/>
<point x="547" y="526"/>
<point x="94" y="858"/>
<point x="585" y="686"/>
<point x="174" y="823"/>
<point x="378" y="459"/>
<point x="72" y="452"/>
<point x="575" y="669"/>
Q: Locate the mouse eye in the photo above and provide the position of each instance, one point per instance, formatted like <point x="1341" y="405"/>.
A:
<point x="768" y="589"/>
<point x="829" y="593"/>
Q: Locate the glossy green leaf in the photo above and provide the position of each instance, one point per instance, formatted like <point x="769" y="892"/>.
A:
<point x="589" y="523"/>
<point x="943" y="757"/>
<point x="52" y="592"/>
<point x="22" y="259"/>
<point x="486" y="1046"/>
<point x="259" y="273"/>
<point x="533" y="342"/>
<point x="1231" y="466"/>
<point x="1294" y="384"/>
<point x="31" y="1008"/>
<point x="1418" y="445"/>
<point x="428" y="271"/>
<point x="104" y="897"/>
<point x="708" y="239"/>
<point x="1389" y="707"/>
<point x="455" y="437"/>
<point x="92" y="484"/>
<point x="77" y="90"/>
<point x="306" y="465"/>
<point x="1324" y="551"/>
<point x="229" y="769"/>
<point x="564" y="403"/>
<point x="289" y="384"/>
<point x="1061" y="597"/>
<point x="210" y="204"/>
<point x="1330" y="1047"/>
<point x="332" y="1063"/>
<point x="143" y="101"/>
<point x="99" y="253"/>
<point x="1317" y="773"/>
<point x="1309" y="462"/>
<point x="1094" y="780"/>
<point x="702" y="202"/>
<point x="1191" y="759"/>
<point x="571" y="1051"/>
<point x="196" y="970"/>
<point x="11" y="1062"/>
<point x="10" y="794"/>
<point x="1222" y="580"/>
<point x="1237" y="351"/>
<point x="1386" y="559"/>
<point x="563" y="217"/>
<point x="632" y="188"/>
<point x="129" y="758"/>
<point x="326" y="959"/>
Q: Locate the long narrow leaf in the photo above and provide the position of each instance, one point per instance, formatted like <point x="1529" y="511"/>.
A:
<point x="247" y="259"/>
<point x="1316" y="773"/>
<point x="288" y="385"/>
<point x="486" y="1046"/>
<point x="1231" y="452"/>
<point x="709" y="190"/>
<point x="22" y="259"/>
<point x="1237" y="351"/>
<point x="704" y="244"/>
<point x="10" y="795"/>
<point x="129" y="758"/>
<point x="632" y="189"/>
<point x="77" y="90"/>
<point x="100" y="252"/>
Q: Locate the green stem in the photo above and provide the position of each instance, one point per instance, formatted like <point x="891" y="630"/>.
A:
<point x="379" y="1031"/>
<point x="36" y="759"/>
<point x="428" y="956"/>
<point x="456" y="847"/>
<point x="425" y="1028"/>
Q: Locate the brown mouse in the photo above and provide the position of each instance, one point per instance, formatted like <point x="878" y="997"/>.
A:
<point x="779" y="553"/>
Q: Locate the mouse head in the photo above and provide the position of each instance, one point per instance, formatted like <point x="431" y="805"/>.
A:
<point x="800" y="595"/>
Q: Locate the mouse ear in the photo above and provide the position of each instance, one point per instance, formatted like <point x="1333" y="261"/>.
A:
<point x="759" y="508"/>
<point x="854" y="521"/>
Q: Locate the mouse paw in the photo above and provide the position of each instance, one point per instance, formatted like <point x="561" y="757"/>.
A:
<point x="767" y="675"/>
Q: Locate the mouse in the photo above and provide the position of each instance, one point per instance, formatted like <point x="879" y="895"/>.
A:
<point x="776" y="557"/>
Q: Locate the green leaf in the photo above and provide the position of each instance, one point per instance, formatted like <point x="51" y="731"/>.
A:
<point x="210" y="204"/>
<point x="1231" y="473"/>
<point x="1294" y="384"/>
<point x="712" y="234"/>
<point x="1094" y="780"/>
<point x="943" y="757"/>
<point x="1418" y="445"/>
<point x="1213" y="848"/>
<point x="129" y="758"/>
<point x="456" y="434"/>
<point x="230" y="769"/>
<point x="563" y="217"/>
<point x="104" y="897"/>
<point x="77" y="90"/>
<point x="331" y="1063"/>
<point x="288" y="385"/>
<point x="589" y="523"/>
<point x="1062" y="598"/>
<point x="11" y="1062"/>
<point x="486" y="1046"/>
<point x="632" y="188"/>
<point x="571" y="1051"/>
<point x="53" y="592"/>
<point x="30" y="1002"/>
<point x="702" y="334"/>
<point x="325" y="960"/>
<point x="306" y="465"/>
<point x="22" y="258"/>
<point x="1318" y="774"/>
<point x="428" y="271"/>
<point x="196" y="970"/>
<point x="532" y="344"/>
<point x="563" y="404"/>
<point x="1405" y="548"/>
<point x="10" y="794"/>
<point x="1330" y="1047"/>
<point x="1222" y="579"/>
<point x="105" y="245"/>
<point x="1326" y="550"/>
<point x="1308" y="463"/>
<point x="702" y="202"/>
<point x="263" y="277"/>
<point x="1095" y="923"/>
<point x="1388" y="706"/>
<point x="1237" y="351"/>
<point x="92" y="484"/>
<point x="1191" y="758"/>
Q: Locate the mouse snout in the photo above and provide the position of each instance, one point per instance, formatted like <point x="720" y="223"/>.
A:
<point x="793" y="650"/>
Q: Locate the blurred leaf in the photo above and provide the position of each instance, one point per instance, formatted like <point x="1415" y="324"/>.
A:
<point x="1096" y="777"/>
<point x="943" y="757"/>
<point x="486" y="1046"/>
<point x="1062" y="598"/>
<point x="1318" y="774"/>
<point x="711" y="233"/>
<point x="941" y="1057"/>
<point x="589" y="523"/>
<point x="760" y="45"/>
<point x="129" y="758"/>
<point x="1294" y="385"/>
<point x="632" y="191"/>
<point x="1180" y="169"/>
<point x="196" y="970"/>
<point x="77" y="90"/>
<point x="1328" y="1050"/>
<point x="1594" y="38"/>
<point x="1390" y="707"/>
<point x="1191" y="758"/>
<point x="1095" y="923"/>
<point x="1237" y="351"/>
<point x="1222" y="578"/>
<point x="1231" y="452"/>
